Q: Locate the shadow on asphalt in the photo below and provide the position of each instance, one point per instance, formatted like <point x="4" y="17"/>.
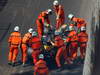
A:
<point x="25" y="73"/>
<point x="74" y="69"/>
<point x="70" y="70"/>
<point x="3" y="4"/>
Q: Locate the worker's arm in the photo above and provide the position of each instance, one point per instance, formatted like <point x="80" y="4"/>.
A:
<point x="59" y="12"/>
<point x="52" y="43"/>
<point x="9" y="40"/>
<point x="55" y="10"/>
<point x="47" y="22"/>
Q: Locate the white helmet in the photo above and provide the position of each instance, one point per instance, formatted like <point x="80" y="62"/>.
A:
<point x="30" y="30"/>
<point x="71" y="28"/>
<point x="41" y="56"/>
<point x="55" y="2"/>
<point x="16" y="28"/>
<point x="45" y="38"/>
<point x="83" y="28"/>
<point x="49" y="11"/>
<point x="34" y="33"/>
<point x="70" y="16"/>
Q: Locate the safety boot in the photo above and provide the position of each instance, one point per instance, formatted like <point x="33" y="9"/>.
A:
<point x="23" y="64"/>
<point x="9" y="63"/>
<point x="59" y="69"/>
<point x="13" y="64"/>
<point x="69" y="61"/>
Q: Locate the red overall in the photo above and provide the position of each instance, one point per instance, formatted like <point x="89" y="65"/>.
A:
<point x="59" y="12"/>
<point x="25" y="40"/>
<point x="80" y="22"/>
<point x="36" y="46"/>
<point x="83" y="39"/>
<point x="40" y="68"/>
<point x="73" y="40"/>
<point x="14" y="42"/>
<point x="61" y="50"/>
<point x="42" y="18"/>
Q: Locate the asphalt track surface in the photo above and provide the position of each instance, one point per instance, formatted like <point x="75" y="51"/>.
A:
<point x="24" y="14"/>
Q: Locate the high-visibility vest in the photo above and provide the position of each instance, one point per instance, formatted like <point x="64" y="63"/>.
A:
<point x="15" y="38"/>
<point x="41" y="67"/>
<point x="59" y="41"/>
<point x="83" y="37"/>
<point x="26" y="37"/>
<point x="36" y="43"/>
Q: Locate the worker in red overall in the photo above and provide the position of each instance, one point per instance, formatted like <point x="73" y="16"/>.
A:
<point x="24" y="45"/>
<point x="60" y="16"/>
<point x="83" y="39"/>
<point x="43" y="20"/>
<point x="14" y="43"/>
<point x="35" y="43"/>
<point x="59" y="43"/>
<point x="72" y="40"/>
<point x="40" y="67"/>
<point x="79" y="21"/>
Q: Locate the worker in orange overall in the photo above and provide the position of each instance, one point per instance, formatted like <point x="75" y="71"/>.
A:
<point x="61" y="49"/>
<point x="83" y="39"/>
<point x="24" y="45"/>
<point x="36" y="44"/>
<point x="43" y="20"/>
<point x="40" y="67"/>
<point x="72" y="40"/>
<point x="79" y="21"/>
<point x="14" y="42"/>
<point x="60" y="16"/>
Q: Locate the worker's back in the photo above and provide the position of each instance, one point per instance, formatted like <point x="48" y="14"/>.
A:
<point x="40" y="68"/>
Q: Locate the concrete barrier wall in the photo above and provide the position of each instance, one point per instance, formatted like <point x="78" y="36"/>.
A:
<point x="91" y="12"/>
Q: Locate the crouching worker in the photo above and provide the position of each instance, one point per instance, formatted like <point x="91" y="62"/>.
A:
<point x="36" y="44"/>
<point x="40" y="67"/>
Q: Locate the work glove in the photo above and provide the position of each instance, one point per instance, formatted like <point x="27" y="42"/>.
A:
<point x="57" y="18"/>
<point x="78" y="31"/>
<point x="47" y="25"/>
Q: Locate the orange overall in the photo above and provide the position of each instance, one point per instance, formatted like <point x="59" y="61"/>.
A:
<point x="83" y="39"/>
<point x="25" y="41"/>
<point x="73" y="46"/>
<point x="40" y="68"/>
<point x="42" y="18"/>
<point x="36" y="46"/>
<point x="59" y="12"/>
<point x="14" y="41"/>
<point x="61" y="50"/>
<point x="80" y="22"/>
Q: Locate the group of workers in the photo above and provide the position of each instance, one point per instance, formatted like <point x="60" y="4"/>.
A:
<point x="67" y="39"/>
